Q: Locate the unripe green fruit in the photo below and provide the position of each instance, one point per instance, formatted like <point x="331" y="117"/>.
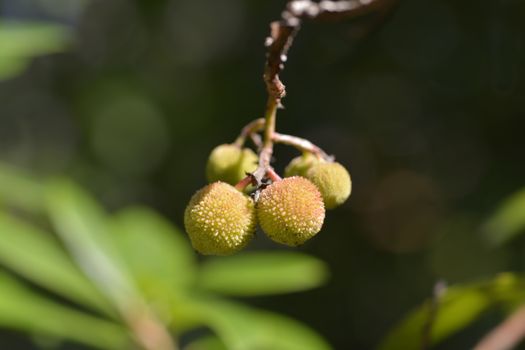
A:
<point x="333" y="181"/>
<point x="229" y="163"/>
<point x="220" y="220"/>
<point x="291" y="211"/>
<point x="299" y="166"/>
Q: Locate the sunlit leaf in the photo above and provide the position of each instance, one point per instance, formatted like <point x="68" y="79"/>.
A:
<point x="83" y="226"/>
<point x="158" y="256"/>
<point x="262" y="273"/>
<point x="508" y="220"/>
<point x="23" y="310"/>
<point x="245" y="328"/>
<point x="241" y="327"/>
<point x="37" y="256"/>
<point x="457" y="308"/>
<point x="507" y="288"/>
<point x="20" y="41"/>
<point x="31" y="38"/>
<point x="284" y="333"/>
<point x="19" y="189"/>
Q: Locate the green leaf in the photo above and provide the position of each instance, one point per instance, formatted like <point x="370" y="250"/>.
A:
<point x="24" y="38"/>
<point x="19" y="189"/>
<point x="508" y="220"/>
<point x="20" y="41"/>
<point x="158" y="255"/>
<point x="241" y="327"/>
<point x="262" y="273"/>
<point x="507" y="288"/>
<point x="23" y="310"/>
<point x="10" y="67"/>
<point x="458" y="307"/>
<point x="37" y="256"/>
<point x="83" y="226"/>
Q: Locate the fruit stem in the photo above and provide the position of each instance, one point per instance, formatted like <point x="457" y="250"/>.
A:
<point x="265" y="155"/>
<point x="273" y="175"/>
<point x="301" y="144"/>
<point x="249" y="130"/>
<point x="269" y="126"/>
<point x="241" y="185"/>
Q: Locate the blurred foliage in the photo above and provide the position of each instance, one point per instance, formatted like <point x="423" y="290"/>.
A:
<point x="112" y="264"/>
<point x="508" y="221"/>
<point x="127" y="98"/>
<point x="21" y="41"/>
<point x="242" y="274"/>
<point x="455" y="309"/>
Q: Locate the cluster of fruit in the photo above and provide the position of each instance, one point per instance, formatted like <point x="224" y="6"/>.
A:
<point x="221" y="218"/>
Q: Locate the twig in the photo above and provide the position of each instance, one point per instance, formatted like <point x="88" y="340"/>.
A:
<point x="265" y="155"/>
<point x="302" y="145"/>
<point x="278" y="43"/>
<point x="281" y="37"/>
<point x="332" y="10"/>
<point x="249" y="130"/>
<point x="241" y="185"/>
<point x="506" y="335"/>
<point x="257" y="141"/>
<point x="272" y="175"/>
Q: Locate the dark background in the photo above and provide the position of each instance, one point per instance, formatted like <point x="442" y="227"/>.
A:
<point x="424" y="106"/>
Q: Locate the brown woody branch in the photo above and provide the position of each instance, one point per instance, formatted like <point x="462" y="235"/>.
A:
<point x="278" y="43"/>
<point x="332" y="10"/>
<point x="282" y="34"/>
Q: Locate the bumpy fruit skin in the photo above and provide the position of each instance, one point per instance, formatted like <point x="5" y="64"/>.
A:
<point x="229" y="163"/>
<point x="333" y="181"/>
<point x="291" y="211"/>
<point x="299" y="166"/>
<point x="220" y="220"/>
